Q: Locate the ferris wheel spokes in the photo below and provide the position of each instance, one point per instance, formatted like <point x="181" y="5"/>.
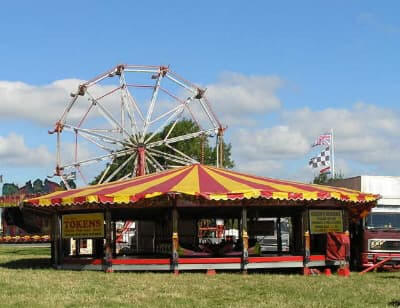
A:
<point x="134" y="121"/>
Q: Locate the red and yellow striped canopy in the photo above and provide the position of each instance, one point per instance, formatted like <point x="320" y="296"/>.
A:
<point x="202" y="181"/>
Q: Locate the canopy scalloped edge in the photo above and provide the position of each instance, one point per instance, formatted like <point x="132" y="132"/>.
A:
<point x="199" y="181"/>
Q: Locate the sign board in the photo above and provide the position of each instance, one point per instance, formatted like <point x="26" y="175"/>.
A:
<point x="323" y="221"/>
<point x="83" y="225"/>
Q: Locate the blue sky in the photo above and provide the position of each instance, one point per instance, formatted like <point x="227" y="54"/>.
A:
<point x="327" y="64"/>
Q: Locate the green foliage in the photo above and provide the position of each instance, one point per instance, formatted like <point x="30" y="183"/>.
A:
<point x="38" y="187"/>
<point x="191" y="148"/>
<point x="324" y="179"/>
<point x="71" y="184"/>
<point x="9" y="189"/>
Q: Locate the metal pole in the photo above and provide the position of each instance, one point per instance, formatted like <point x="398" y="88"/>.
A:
<point x="332" y="155"/>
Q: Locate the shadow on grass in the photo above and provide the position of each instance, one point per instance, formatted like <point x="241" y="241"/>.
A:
<point x="394" y="303"/>
<point x="36" y="263"/>
<point x="25" y="251"/>
<point x="389" y="277"/>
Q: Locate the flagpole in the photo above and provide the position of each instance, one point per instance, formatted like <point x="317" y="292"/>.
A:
<point x="332" y="155"/>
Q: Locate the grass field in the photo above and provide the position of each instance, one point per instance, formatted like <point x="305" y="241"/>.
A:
<point x="26" y="280"/>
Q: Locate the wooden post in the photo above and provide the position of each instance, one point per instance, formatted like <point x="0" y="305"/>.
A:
<point x="307" y="242"/>
<point x="245" y="239"/>
<point x="279" y="236"/>
<point x="108" y="246"/>
<point x="60" y="241"/>
<point x="114" y="238"/>
<point x="175" y="240"/>
<point x="54" y="241"/>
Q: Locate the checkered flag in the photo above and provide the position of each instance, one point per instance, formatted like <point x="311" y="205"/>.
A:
<point x="322" y="160"/>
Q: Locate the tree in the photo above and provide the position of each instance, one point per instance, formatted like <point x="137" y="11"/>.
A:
<point x="71" y="184"/>
<point x="37" y="186"/>
<point x="9" y="189"/>
<point x="192" y="148"/>
<point x="323" y="179"/>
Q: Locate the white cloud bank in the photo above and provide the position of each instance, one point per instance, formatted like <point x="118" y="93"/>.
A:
<point x="367" y="136"/>
<point x="15" y="153"/>
<point x="236" y="97"/>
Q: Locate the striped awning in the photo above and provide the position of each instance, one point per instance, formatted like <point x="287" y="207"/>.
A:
<point x="199" y="181"/>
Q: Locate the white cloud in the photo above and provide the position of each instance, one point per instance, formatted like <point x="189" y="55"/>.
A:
<point x="236" y="96"/>
<point x="366" y="140"/>
<point x="43" y="104"/>
<point x="15" y="153"/>
<point x="279" y="142"/>
<point x="363" y="132"/>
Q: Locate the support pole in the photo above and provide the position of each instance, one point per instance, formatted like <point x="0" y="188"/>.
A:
<point x="279" y="236"/>
<point x="108" y="246"/>
<point x="54" y="241"/>
<point x="60" y="242"/>
<point x="307" y="243"/>
<point x="141" y="162"/>
<point x="175" y="240"/>
<point x="245" y="239"/>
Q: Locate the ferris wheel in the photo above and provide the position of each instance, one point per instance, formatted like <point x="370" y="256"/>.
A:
<point x="124" y="123"/>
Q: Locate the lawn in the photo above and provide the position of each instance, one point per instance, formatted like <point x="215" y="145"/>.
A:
<point x="26" y="280"/>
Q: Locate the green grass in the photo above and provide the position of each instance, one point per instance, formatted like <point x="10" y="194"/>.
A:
<point x="26" y="280"/>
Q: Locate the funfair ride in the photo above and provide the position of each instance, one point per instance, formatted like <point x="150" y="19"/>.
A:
<point x="127" y="117"/>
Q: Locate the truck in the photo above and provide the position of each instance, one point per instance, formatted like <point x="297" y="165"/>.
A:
<point x="377" y="236"/>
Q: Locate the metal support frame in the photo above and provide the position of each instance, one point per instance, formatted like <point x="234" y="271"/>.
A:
<point x="128" y="130"/>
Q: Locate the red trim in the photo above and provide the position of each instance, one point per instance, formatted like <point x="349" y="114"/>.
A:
<point x="276" y="259"/>
<point x="140" y="261"/>
<point x="208" y="260"/>
<point x="317" y="258"/>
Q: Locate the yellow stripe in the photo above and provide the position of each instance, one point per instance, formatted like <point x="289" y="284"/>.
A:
<point x="310" y="195"/>
<point x="231" y="185"/>
<point x="252" y="194"/>
<point x="45" y="202"/>
<point x="67" y="201"/>
<point x="189" y="184"/>
<point x="133" y="190"/>
<point x="278" y="187"/>
<point x="280" y="195"/>
<point x="121" y="199"/>
<point x="152" y="195"/>
<point x="92" y="199"/>
<point x="218" y="197"/>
